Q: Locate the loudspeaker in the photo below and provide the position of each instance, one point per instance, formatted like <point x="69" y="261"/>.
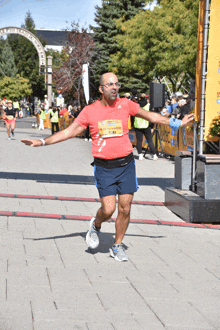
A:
<point x="157" y="95"/>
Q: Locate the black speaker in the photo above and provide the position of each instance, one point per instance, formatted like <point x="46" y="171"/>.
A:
<point x="157" y="95"/>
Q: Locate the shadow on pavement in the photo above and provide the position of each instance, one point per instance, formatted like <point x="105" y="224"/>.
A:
<point x="106" y="240"/>
<point x="80" y="179"/>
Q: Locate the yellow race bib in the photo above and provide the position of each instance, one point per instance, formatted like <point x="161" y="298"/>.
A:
<point x="10" y="117"/>
<point x="110" y="128"/>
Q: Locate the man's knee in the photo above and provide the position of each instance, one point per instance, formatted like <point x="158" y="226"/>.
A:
<point x="124" y="209"/>
<point x="108" y="210"/>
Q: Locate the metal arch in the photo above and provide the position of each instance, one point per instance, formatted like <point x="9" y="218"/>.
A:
<point x="30" y="36"/>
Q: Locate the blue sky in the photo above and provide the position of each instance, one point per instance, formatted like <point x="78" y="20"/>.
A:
<point x="48" y="14"/>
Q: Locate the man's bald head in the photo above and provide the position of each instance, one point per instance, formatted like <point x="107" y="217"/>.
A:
<point x="107" y="77"/>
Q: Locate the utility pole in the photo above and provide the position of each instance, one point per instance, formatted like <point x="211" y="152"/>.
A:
<point x="49" y="79"/>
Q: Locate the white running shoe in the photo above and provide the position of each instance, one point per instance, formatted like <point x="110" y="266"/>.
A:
<point x="117" y="251"/>
<point x="141" y="156"/>
<point x="155" y="157"/>
<point x="92" y="237"/>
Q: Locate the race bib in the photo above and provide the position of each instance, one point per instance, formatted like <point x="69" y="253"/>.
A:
<point x="110" y="128"/>
<point x="10" y="117"/>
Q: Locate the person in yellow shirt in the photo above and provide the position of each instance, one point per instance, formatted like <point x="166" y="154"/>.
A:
<point x="54" y="119"/>
<point x="42" y="117"/>
<point x="142" y="127"/>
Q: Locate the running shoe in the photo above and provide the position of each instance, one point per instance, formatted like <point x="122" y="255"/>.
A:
<point x="155" y="157"/>
<point x="92" y="237"/>
<point x="117" y="251"/>
<point x="12" y="133"/>
<point x="9" y="138"/>
<point x="141" y="156"/>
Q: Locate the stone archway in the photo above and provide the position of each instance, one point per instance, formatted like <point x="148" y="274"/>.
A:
<point x="30" y="36"/>
<point x="41" y="53"/>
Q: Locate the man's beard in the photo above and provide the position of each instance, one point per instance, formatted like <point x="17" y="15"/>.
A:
<point x="111" y="96"/>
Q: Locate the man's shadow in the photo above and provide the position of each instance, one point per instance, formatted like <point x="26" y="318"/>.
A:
<point x="106" y="240"/>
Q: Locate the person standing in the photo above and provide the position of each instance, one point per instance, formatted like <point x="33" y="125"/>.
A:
<point x="142" y="127"/>
<point x="42" y="117"/>
<point x="114" y="166"/>
<point x="46" y="103"/>
<point x="54" y="119"/>
<point x="16" y="106"/>
<point x="9" y="116"/>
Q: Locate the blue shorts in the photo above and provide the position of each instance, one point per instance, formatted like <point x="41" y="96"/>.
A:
<point x="113" y="181"/>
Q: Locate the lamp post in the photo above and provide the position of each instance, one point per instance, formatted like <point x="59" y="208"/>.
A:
<point x="49" y="79"/>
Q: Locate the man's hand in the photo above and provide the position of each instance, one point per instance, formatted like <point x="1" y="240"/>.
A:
<point x="32" y="143"/>
<point x="187" y="118"/>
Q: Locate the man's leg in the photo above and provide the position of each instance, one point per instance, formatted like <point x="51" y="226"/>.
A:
<point x="148" y="137"/>
<point x="124" y="206"/>
<point x="123" y="218"/>
<point x="103" y="214"/>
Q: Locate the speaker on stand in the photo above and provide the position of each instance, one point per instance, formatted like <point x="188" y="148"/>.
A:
<point x="157" y="100"/>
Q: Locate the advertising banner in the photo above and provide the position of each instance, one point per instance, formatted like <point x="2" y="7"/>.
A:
<point x="168" y="140"/>
<point x="85" y="81"/>
<point x="213" y="68"/>
<point x="199" y="58"/>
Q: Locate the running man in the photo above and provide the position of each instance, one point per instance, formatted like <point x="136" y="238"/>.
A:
<point x="9" y="115"/>
<point x="114" y="166"/>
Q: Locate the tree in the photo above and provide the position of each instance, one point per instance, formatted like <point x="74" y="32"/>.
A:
<point x="159" y="43"/>
<point x="7" y="63"/>
<point x="77" y="51"/>
<point x="14" y="88"/>
<point x="26" y="58"/>
<point x="29" y="23"/>
<point x="106" y="30"/>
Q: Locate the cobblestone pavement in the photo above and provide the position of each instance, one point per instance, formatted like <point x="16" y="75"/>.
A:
<point x="49" y="280"/>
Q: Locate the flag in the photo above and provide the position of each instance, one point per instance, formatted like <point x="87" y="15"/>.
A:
<point x="85" y="81"/>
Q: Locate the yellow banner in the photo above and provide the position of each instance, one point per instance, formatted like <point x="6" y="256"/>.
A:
<point x="171" y="140"/>
<point x="199" y="58"/>
<point x="213" y="68"/>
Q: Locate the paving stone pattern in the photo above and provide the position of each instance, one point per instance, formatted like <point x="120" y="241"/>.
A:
<point x="49" y="280"/>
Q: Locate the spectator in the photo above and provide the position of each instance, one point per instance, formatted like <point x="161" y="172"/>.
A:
<point x="42" y="117"/>
<point x="173" y="104"/>
<point x="142" y="127"/>
<point x="176" y="112"/>
<point x="62" y="111"/>
<point x="54" y="118"/>
<point x="23" y="108"/>
<point x="46" y="103"/>
<point x="16" y="106"/>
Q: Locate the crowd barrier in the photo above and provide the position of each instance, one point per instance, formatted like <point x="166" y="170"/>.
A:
<point x="63" y="122"/>
<point x="168" y="140"/>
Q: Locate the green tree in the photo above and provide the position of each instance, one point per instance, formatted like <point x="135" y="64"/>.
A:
<point x="159" y="43"/>
<point x="26" y="58"/>
<point x="106" y="30"/>
<point x="12" y="88"/>
<point x="7" y="63"/>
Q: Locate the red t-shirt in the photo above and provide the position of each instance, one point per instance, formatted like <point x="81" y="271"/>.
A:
<point x="62" y="112"/>
<point x="109" y="127"/>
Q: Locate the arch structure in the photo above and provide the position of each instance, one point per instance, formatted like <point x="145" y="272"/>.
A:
<point x="30" y="36"/>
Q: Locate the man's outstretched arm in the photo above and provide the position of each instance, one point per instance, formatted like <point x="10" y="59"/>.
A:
<point x="70" y="132"/>
<point x="157" y="118"/>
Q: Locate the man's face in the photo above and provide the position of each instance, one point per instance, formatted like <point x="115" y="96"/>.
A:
<point x="109" y="87"/>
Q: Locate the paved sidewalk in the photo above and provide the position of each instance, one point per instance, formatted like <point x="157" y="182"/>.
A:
<point x="49" y="280"/>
